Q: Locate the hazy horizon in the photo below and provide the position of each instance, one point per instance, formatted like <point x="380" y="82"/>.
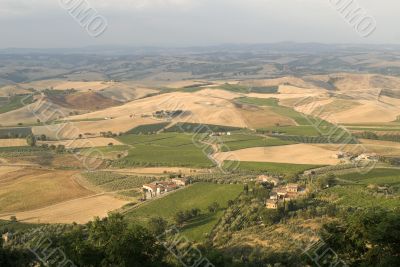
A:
<point x="186" y="23"/>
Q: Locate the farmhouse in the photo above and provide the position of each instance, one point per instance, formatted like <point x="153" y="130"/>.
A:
<point x="293" y="188"/>
<point x="367" y="156"/>
<point x="272" y="204"/>
<point x="180" y="181"/>
<point x="161" y="187"/>
<point x="285" y="193"/>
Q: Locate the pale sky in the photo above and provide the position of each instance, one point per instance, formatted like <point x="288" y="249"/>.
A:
<point x="46" y="24"/>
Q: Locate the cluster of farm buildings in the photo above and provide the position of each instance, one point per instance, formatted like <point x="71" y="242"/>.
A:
<point x="160" y="188"/>
<point x="280" y="193"/>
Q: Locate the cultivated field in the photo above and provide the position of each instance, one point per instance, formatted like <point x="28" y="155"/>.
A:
<point x="79" y="210"/>
<point x="285" y="169"/>
<point x="12" y="142"/>
<point x="200" y="196"/>
<point x="296" y="154"/>
<point x="29" y="189"/>
<point x="84" y="143"/>
<point x="168" y="149"/>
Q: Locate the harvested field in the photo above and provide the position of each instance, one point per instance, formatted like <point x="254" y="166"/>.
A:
<point x="12" y="142"/>
<point x="79" y="210"/>
<point x="7" y="169"/>
<point x="19" y="190"/>
<point x="296" y="154"/>
<point x="382" y="148"/>
<point x="82" y="86"/>
<point x="199" y="109"/>
<point x="83" y="101"/>
<point x="264" y="117"/>
<point x="71" y="130"/>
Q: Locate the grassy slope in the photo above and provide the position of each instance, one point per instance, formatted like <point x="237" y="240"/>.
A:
<point x="376" y="176"/>
<point x="200" y="196"/>
<point x="356" y="194"/>
<point x="15" y="102"/>
<point x="305" y="123"/>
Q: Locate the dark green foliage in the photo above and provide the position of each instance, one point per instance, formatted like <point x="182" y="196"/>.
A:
<point x="366" y="238"/>
<point x="20" y="132"/>
<point x="326" y="181"/>
<point x="102" y="242"/>
<point x="264" y="89"/>
<point x="213" y="207"/>
<point x="31" y="140"/>
<point x="383" y="137"/>
<point x="157" y="225"/>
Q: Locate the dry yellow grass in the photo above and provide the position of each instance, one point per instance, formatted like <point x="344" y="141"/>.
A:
<point x="383" y="148"/>
<point x="71" y="130"/>
<point x="79" y="210"/>
<point x="296" y="154"/>
<point x="12" y="142"/>
<point x="217" y="93"/>
<point x="263" y="117"/>
<point x="83" y="86"/>
<point x="27" y="189"/>
<point x="202" y="109"/>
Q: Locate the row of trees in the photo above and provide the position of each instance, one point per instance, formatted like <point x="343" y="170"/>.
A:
<point x="103" y="242"/>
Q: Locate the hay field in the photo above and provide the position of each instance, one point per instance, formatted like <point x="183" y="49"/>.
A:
<point x="31" y="188"/>
<point x="296" y="154"/>
<point x="71" y="130"/>
<point x="83" y="86"/>
<point x="382" y="148"/>
<point x="79" y="210"/>
<point x="12" y="142"/>
<point x="202" y="109"/>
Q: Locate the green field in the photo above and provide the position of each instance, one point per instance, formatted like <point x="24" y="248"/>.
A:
<point x="199" y="195"/>
<point x="358" y="196"/>
<point x="376" y="176"/>
<point x="187" y="127"/>
<point x="241" y="141"/>
<point x="353" y="191"/>
<point x="167" y="149"/>
<point x="303" y="130"/>
<point x="17" y="132"/>
<point x="150" y="128"/>
<point x="264" y="89"/>
<point x="273" y="103"/>
<point x="15" y="102"/>
<point x="286" y="169"/>
<point x="345" y="139"/>
<point x="234" y="88"/>
<point x="12" y="152"/>
<point x="112" y="182"/>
